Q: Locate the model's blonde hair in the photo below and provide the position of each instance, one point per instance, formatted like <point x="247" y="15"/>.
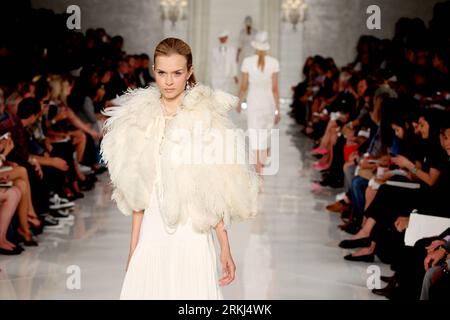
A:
<point x="261" y="59"/>
<point x="174" y="45"/>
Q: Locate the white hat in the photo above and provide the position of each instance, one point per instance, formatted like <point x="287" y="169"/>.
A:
<point x="260" y="42"/>
<point x="248" y="21"/>
<point x="224" y="34"/>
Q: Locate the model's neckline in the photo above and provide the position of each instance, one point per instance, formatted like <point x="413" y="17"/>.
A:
<point x="163" y="109"/>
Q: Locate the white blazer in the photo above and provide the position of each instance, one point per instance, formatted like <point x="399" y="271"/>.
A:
<point x="223" y="67"/>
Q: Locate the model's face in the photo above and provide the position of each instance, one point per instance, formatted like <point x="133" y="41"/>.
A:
<point x="424" y="128"/>
<point x="171" y="75"/>
<point x="399" y="132"/>
<point x="106" y="77"/>
<point x="132" y="63"/>
<point x="445" y="140"/>
<point x="124" y="68"/>
<point x="362" y="87"/>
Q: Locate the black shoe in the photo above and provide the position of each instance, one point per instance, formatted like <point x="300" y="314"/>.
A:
<point x="19" y="248"/>
<point x="364" y="258"/>
<point x="331" y="182"/>
<point x="352" y="228"/>
<point x="346" y="214"/>
<point x="13" y="252"/>
<point x="357" y="243"/>
<point x="325" y="182"/>
<point x="336" y="183"/>
<point x="37" y="230"/>
<point x="30" y="243"/>
<point x="78" y="195"/>
<point x="389" y="291"/>
<point x="27" y="243"/>
<point x="388" y="279"/>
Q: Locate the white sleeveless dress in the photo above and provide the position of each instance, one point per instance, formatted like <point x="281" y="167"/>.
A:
<point x="168" y="266"/>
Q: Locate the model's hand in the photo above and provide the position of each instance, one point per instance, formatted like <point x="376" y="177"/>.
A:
<point x="228" y="268"/>
<point x="277" y="119"/>
<point x="239" y="108"/>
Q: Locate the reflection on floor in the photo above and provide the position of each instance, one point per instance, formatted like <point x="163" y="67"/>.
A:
<point x="288" y="252"/>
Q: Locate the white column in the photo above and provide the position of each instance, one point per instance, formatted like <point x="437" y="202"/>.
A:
<point x="291" y="57"/>
<point x="198" y="36"/>
<point x="270" y="19"/>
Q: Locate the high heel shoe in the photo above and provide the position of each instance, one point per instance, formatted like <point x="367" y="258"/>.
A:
<point x="36" y="229"/>
<point x="27" y="243"/>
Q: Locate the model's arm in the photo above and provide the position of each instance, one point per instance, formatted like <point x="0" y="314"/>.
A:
<point x="135" y="229"/>
<point x="244" y="86"/>
<point x="238" y="54"/>
<point x="276" y="96"/>
<point x="228" y="266"/>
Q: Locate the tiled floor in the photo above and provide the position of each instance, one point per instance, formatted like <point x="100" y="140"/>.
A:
<point x="288" y="252"/>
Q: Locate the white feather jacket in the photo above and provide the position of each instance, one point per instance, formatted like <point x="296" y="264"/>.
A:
<point x="144" y="149"/>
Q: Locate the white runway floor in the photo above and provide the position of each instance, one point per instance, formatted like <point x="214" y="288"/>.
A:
<point x="290" y="251"/>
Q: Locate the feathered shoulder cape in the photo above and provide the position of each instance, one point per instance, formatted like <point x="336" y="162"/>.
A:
<point x="181" y="158"/>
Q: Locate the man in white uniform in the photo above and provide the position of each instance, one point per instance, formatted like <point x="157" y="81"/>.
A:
<point x="224" y="69"/>
<point x="246" y="37"/>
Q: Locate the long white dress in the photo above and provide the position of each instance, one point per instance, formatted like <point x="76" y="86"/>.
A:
<point x="166" y="266"/>
<point x="260" y="99"/>
<point x="171" y="264"/>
